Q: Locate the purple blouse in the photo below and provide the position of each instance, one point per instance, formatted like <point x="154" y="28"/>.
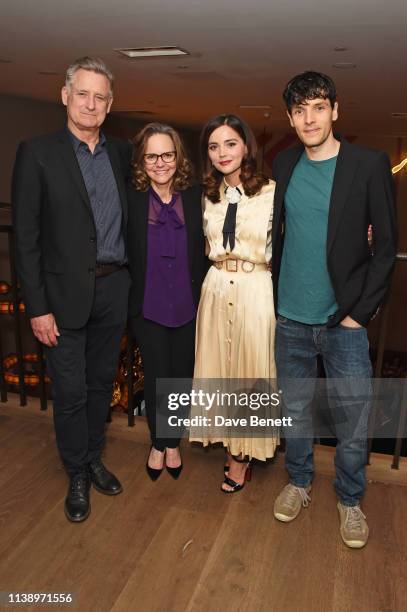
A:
<point x="168" y="294"/>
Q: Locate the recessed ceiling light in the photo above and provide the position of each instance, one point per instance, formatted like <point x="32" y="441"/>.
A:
<point x="142" y="52"/>
<point x="340" y="48"/>
<point x="399" y="115"/>
<point x="255" y="106"/>
<point x="344" y="65"/>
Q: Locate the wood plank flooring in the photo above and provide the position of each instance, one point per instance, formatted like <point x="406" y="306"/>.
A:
<point x="183" y="545"/>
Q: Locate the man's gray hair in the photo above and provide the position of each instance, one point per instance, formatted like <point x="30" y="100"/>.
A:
<point x="93" y="64"/>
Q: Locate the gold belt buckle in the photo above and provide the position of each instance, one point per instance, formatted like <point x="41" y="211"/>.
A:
<point x="233" y="263"/>
<point x="251" y="266"/>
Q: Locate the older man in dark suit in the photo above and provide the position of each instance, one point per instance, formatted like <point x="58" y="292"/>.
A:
<point x="69" y="215"/>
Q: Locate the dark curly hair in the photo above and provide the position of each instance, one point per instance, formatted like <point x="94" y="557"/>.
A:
<point x="252" y="180"/>
<point x="184" y="172"/>
<point x="309" y="85"/>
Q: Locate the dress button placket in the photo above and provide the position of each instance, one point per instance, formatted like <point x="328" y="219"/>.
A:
<point x="229" y="327"/>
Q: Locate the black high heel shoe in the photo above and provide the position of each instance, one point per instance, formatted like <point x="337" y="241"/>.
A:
<point x="174" y="471"/>
<point x="154" y="473"/>
<point x="236" y="486"/>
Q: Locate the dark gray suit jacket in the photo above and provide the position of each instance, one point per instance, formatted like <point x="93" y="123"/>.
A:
<point x="54" y="227"/>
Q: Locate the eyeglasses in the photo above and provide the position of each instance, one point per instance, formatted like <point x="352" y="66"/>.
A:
<point x="167" y="157"/>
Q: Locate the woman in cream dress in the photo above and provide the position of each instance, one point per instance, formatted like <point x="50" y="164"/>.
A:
<point x="236" y="322"/>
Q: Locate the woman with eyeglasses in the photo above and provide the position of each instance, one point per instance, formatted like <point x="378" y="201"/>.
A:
<point x="166" y="252"/>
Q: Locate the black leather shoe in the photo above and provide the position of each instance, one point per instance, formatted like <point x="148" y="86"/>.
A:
<point x="154" y="473"/>
<point x="174" y="471"/>
<point x="77" y="503"/>
<point x="103" y="480"/>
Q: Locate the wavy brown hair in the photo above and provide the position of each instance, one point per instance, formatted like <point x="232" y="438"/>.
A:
<point x="252" y="180"/>
<point x="183" y="174"/>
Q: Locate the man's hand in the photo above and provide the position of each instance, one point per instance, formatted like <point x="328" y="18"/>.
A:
<point x="45" y="329"/>
<point x="349" y="322"/>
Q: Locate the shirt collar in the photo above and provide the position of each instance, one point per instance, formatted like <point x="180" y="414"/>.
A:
<point x="226" y="186"/>
<point x="76" y="143"/>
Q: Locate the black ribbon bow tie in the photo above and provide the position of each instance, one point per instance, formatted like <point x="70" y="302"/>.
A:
<point x="229" y="226"/>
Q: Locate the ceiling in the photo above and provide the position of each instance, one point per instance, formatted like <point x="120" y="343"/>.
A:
<point x="241" y="52"/>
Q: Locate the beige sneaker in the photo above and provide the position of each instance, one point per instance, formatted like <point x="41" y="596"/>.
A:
<point x="354" y="529"/>
<point x="290" y="501"/>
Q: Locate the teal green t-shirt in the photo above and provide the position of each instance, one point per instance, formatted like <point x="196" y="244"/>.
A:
<point x="305" y="292"/>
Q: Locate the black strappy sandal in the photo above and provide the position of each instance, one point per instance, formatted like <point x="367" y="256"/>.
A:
<point x="236" y="486"/>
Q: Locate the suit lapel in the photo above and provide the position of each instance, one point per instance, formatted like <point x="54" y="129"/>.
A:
<point x="281" y="186"/>
<point x="346" y="166"/>
<point x="140" y="214"/>
<point x="71" y="164"/>
<point x="188" y="206"/>
<point x="118" y="173"/>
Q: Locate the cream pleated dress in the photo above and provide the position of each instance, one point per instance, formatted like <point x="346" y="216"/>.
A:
<point x="236" y="321"/>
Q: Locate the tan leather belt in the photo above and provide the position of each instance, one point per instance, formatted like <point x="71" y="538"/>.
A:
<point x="234" y="265"/>
<point x="108" y="268"/>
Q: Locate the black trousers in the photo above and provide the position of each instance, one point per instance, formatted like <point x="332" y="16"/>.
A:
<point x="82" y="369"/>
<point x="167" y="352"/>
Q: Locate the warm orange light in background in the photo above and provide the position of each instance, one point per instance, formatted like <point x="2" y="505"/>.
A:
<point x="399" y="166"/>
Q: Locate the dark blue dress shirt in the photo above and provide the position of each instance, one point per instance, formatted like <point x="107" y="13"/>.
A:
<point x="104" y="199"/>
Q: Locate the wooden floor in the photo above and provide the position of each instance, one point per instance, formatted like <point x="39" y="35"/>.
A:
<point x="175" y="546"/>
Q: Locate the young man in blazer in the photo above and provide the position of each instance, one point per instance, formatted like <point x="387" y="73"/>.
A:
<point x="69" y="215"/>
<point x="328" y="284"/>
